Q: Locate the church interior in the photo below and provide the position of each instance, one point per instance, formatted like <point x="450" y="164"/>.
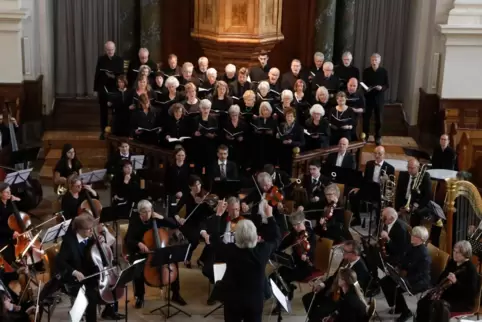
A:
<point x="111" y="105"/>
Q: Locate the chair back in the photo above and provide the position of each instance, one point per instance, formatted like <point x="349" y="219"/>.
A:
<point x="322" y="254"/>
<point x="439" y="262"/>
<point x="348" y="215"/>
<point x="479" y="295"/>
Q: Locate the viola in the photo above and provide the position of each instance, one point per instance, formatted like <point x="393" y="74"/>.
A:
<point x="233" y="222"/>
<point x="274" y="196"/>
<point x="329" y="214"/>
<point x="303" y="245"/>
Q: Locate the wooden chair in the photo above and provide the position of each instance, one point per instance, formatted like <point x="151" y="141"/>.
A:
<point x="341" y="186"/>
<point x="372" y="311"/>
<point x="323" y="254"/>
<point x="439" y="262"/>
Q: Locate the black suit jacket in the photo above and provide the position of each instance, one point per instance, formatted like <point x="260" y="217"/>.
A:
<point x="348" y="160"/>
<point x="399" y="241"/>
<point x="362" y="273"/>
<point x="421" y="198"/>
<point x="444" y="159"/>
<point x="214" y="171"/>
<point x="72" y="258"/>
<point x="370" y="168"/>
<point x="351" y="308"/>
<point x="416" y="263"/>
<point x="114" y="164"/>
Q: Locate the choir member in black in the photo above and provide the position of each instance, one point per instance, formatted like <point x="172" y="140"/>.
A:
<point x="158" y="85"/>
<point x="116" y="161"/>
<point x="229" y="75"/>
<point x="207" y="88"/>
<point x="143" y="123"/>
<point x="221" y="102"/>
<point x="318" y="129"/>
<point x="328" y="80"/>
<point x="187" y="75"/>
<point x="375" y="171"/>
<point x="331" y="225"/>
<point x="120" y="101"/>
<point x="67" y="165"/>
<point x="147" y="72"/>
<point x="240" y="86"/>
<point x="135" y="64"/>
<point x="172" y="68"/>
<point x="256" y="199"/>
<point x="322" y="97"/>
<point x="301" y="241"/>
<point x="415" y="271"/>
<point x="444" y="157"/>
<point x="201" y="70"/>
<point x="74" y="197"/>
<point x="205" y="134"/>
<point x="342" y="158"/>
<point x="290" y="135"/>
<point x="176" y="126"/>
<point x="264" y="94"/>
<point x="126" y="186"/>
<point x="317" y="68"/>
<point x="191" y="102"/>
<point x="275" y="83"/>
<point x="314" y="184"/>
<point x="177" y="175"/>
<point x="142" y="87"/>
<point x="300" y="101"/>
<point x="260" y="72"/>
<point x="249" y="107"/>
<point x="222" y="169"/>
<point x="376" y="79"/>
<point x="342" y="118"/>
<point x="197" y="210"/>
<point x="169" y="97"/>
<point x="264" y="141"/>
<point x="246" y="261"/>
<point x="108" y="67"/>
<point x="419" y="196"/>
<point x="324" y="302"/>
<point x="227" y="226"/>
<point x="235" y="136"/>
<point x="356" y="101"/>
<point x="5" y="130"/>
<point x="138" y="226"/>
<point x="461" y="283"/>
<point x="7" y="235"/>
<point x="345" y="71"/>
<point x="286" y="103"/>
<point x="289" y="78"/>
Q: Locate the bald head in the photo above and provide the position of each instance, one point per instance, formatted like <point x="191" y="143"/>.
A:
<point x="143" y="55"/>
<point x="343" y="145"/>
<point x="379" y="154"/>
<point x="109" y="48"/>
<point x="413" y="166"/>
<point x="352" y="85"/>
<point x="389" y="215"/>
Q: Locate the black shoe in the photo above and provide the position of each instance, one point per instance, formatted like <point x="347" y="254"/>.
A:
<point x="211" y="300"/>
<point x="139" y="302"/>
<point x="177" y="298"/>
<point x="405" y="316"/>
<point x="112" y="316"/>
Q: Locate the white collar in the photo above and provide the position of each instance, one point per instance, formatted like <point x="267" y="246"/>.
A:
<point x="341" y="154"/>
<point x="81" y="239"/>
<point x="317" y="178"/>
<point x="381" y="163"/>
<point x="222" y="162"/>
<point x="354" y="262"/>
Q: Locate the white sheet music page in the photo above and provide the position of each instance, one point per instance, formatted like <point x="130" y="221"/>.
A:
<point x="219" y="270"/>
<point x="79" y="306"/>
<point x="282" y="299"/>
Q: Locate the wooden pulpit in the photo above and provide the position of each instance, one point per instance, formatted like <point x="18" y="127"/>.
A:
<point x="236" y="31"/>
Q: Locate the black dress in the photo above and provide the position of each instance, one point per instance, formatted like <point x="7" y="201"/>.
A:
<point x="177" y="178"/>
<point x="264" y="141"/>
<point x="293" y="132"/>
<point x="64" y="170"/>
<point x="146" y="121"/>
<point x="70" y="205"/>
<point x="204" y="146"/>
<point x="121" y="100"/>
<point x="235" y="139"/>
<point x="319" y="134"/>
<point x="177" y="129"/>
<point x="6" y="234"/>
<point x="338" y="119"/>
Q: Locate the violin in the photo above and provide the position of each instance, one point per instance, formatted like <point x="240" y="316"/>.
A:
<point x="233" y="222"/>
<point x="303" y="245"/>
<point x="207" y="197"/>
<point x="274" y="196"/>
<point x="329" y="213"/>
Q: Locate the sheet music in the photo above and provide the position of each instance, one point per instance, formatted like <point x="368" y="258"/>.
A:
<point x="138" y="161"/>
<point x="51" y="232"/>
<point x="93" y="176"/>
<point x="219" y="270"/>
<point x="79" y="307"/>
<point x="18" y="176"/>
<point x="282" y="299"/>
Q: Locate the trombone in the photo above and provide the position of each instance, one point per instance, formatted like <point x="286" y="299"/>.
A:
<point x="416" y="185"/>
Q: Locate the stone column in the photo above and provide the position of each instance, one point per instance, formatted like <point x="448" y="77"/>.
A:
<point x="129" y="29"/>
<point x="345" y="28"/>
<point x="325" y="27"/>
<point x="236" y="31"/>
<point x="150" y="36"/>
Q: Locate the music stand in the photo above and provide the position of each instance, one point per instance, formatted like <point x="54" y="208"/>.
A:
<point x="18" y="176"/>
<point x="165" y="256"/>
<point x="126" y="276"/>
<point x="24" y="156"/>
<point x="93" y="176"/>
<point x="54" y="232"/>
<point x="79" y="307"/>
<point x="370" y="194"/>
<point x="346" y="176"/>
<point x="137" y="161"/>
<point x="226" y="188"/>
<point x="219" y="269"/>
<point x="399" y="281"/>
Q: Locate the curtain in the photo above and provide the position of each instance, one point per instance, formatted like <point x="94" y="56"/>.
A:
<point x="380" y="27"/>
<point x="81" y="28"/>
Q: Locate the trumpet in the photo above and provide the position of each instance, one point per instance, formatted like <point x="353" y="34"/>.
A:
<point x="416" y="185"/>
<point x="388" y="187"/>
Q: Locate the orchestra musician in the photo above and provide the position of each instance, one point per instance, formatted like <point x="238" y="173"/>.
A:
<point x="246" y="260"/>
<point x="115" y="162"/>
<point x="302" y="241"/>
<point x="74" y="197"/>
<point x="138" y="226"/>
<point x="342" y="158"/>
<point x="374" y="170"/>
<point x="7" y="235"/>
<point x="318" y="128"/>
<point x="67" y="165"/>
<point x="332" y="223"/>
<point x="280" y="178"/>
<point x="325" y="293"/>
<point x="444" y="157"/>
<point x="414" y="269"/>
<point x="290" y="135"/>
<point x="458" y="284"/>
<point x="126" y="186"/>
<point x="314" y="184"/>
<point x="11" y="312"/>
<point x="197" y="210"/>
<point x="419" y="196"/>
<point x="5" y="139"/>
<point x="177" y="175"/>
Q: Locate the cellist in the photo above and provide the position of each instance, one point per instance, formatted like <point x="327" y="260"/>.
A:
<point x="138" y="226"/>
<point x="72" y="200"/>
<point x="7" y="235"/>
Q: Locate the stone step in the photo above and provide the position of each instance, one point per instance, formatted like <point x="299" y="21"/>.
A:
<point x="90" y="157"/>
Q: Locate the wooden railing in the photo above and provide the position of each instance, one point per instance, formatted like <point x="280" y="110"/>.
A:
<point x="156" y="157"/>
<point x="302" y="160"/>
<point x="468" y="144"/>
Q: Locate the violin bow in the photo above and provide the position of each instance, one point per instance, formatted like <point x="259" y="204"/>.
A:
<point x="192" y="212"/>
<point x="256" y="185"/>
<point x="38" y="298"/>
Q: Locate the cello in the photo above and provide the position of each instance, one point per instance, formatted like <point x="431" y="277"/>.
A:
<point x="101" y="256"/>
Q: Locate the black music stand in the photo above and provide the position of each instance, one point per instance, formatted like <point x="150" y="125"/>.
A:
<point x="346" y="176"/>
<point x="165" y="256"/>
<point x="399" y="281"/>
<point x="138" y="161"/>
<point x="370" y="194"/>
<point x="214" y="292"/>
<point x="285" y="260"/>
<point x="126" y="276"/>
<point x="24" y="156"/>
<point x="54" y="232"/>
<point x="18" y="177"/>
<point x="93" y="176"/>
<point x="225" y="188"/>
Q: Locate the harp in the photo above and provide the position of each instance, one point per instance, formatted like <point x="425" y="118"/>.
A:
<point x="463" y="207"/>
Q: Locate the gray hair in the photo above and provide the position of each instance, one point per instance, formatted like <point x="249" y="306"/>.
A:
<point x="172" y="81"/>
<point x="332" y="188"/>
<point x="389" y="211"/>
<point x="464" y="248"/>
<point x="377" y="55"/>
<point x="274" y="69"/>
<point x="141" y="69"/>
<point x="212" y="72"/>
<point x="347" y="54"/>
<point x="322" y="90"/>
<point x="232" y="201"/>
<point x="328" y="64"/>
<point x="234" y="109"/>
<point x="420" y="232"/>
<point x="320" y="55"/>
<point x="287" y="93"/>
<point x="230" y="68"/>
<point x="297" y="218"/>
<point x="264" y="178"/>
<point x="263" y="85"/>
<point x="145" y="50"/>
<point x="414" y="161"/>
<point x="246" y="235"/>
<point x="201" y="59"/>
<point x="144" y="205"/>
<point x="317" y="108"/>
<point x="187" y="66"/>
<point x="205" y="103"/>
<point x="266" y="105"/>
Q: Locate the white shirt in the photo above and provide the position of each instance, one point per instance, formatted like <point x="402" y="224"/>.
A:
<point x="228" y="236"/>
<point x="221" y="164"/>
<point x="81" y="239"/>
<point x="376" y="172"/>
<point x="389" y="227"/>
<point x="339" y="159"/>
<point x="315" y="179"/>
